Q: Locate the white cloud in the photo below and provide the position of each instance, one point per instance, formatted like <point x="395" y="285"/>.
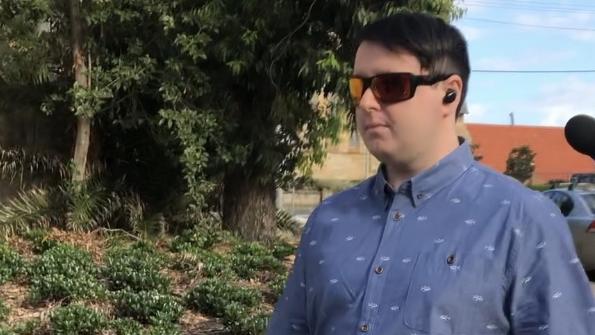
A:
<point x="476" y="113"/>
<point x="585" y="36"/>
<point x="559" y="101"/>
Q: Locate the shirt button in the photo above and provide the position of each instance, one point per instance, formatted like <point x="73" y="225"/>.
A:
<point x="364" y="328"/>
<point x="379" y="270"/>
<point x="398" y="216"/>
<point x="450" y="260"/>
<point x="420" y="196"/>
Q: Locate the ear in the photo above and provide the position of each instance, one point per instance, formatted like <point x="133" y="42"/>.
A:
<point x="452" y="83"/>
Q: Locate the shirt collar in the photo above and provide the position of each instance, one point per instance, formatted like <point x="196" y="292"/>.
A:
<point x="422" y="186"/>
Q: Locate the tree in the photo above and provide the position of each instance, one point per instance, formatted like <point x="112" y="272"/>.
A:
<point x="474" y="150"/>
<point x="520" y="164"/>
<point x="82" y="80"/>
<point x="268" y="69"/>
<point x="248" y="100"/>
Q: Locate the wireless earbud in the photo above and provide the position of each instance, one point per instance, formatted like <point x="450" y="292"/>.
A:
<point x="450" y="96"/>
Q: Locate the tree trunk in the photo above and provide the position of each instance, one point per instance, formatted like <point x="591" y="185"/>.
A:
<point x="83" y="125"/>
<point x="249" y="206"/>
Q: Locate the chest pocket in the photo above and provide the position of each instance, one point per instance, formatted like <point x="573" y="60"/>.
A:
<point x="452" y="294"/>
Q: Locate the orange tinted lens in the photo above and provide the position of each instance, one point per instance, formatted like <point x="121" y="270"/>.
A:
<point x="356" y="88"/>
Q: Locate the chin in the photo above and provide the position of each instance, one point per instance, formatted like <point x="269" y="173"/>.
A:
<point x="381" y="152"/>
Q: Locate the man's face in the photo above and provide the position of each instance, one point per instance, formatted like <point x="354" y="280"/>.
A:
<point x="396" y="132"/>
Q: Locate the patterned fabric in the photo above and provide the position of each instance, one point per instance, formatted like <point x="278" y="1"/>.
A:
<point x="457" y="250"/>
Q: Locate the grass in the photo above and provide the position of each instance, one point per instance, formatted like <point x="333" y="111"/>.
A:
<point x="58" y="282"/>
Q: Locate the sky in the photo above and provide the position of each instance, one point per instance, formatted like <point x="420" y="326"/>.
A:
<point x="514" y="43"/>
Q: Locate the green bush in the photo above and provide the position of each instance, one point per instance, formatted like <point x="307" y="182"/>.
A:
<point x="76" y="319"/>
<point x="214" y="295"/>
<point x="4" y="311"/>
<point x="126" y="326"/>
<point x="136" y="269"/>
<point x="186" y="262"/>
<point x="216" y="266"/>
<point x="239" y="320"/>
<point x="281" y="250"/>
<point x="165" y="329"/>
<point x="200" y="237"/>
<point x="64" y="273"/>
<point x="39" y="239"/>
<point x="249" y="258"/>
<point x="11" y="264"/>
<point x="28" y="327"/>
<point x="278" y="284"/>
<point x="148" y="307"/>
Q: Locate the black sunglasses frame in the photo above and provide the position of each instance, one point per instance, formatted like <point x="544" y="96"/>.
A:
<point x="414" y="82"/>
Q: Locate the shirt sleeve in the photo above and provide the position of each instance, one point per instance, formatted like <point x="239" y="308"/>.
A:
<point x="550" y="292"/>
<point x="289" y="316"/>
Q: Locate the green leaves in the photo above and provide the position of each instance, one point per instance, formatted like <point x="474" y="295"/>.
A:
<point x="520" y="163"/>
<point x="135" y="269"/>
<point x="65" y="273"/>
<point x="148" y="307"/>
<point x="11" y="264"/>
<point x="250" y="258"/>
<point x="76" y="319"/>
<point x="214" y="295"/>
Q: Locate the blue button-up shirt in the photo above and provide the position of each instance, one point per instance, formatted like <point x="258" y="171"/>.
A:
<point x="457" y="250"/>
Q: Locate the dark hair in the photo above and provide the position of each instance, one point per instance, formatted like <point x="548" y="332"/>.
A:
<point x="439" y="47"/>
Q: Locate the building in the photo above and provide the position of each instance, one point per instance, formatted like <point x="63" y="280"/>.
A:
<point x="349" y="161"/>
<point x="555" y="158"/>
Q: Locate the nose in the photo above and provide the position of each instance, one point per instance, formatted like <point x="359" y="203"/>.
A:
<point x="368" y="101"/>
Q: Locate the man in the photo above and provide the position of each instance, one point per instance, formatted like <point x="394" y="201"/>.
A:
<point x="435" y="243"/>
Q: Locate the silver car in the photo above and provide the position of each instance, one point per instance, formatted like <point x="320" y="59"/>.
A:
<point x="578" y="206"/>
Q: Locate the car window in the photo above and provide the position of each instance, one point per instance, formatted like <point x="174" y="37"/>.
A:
<point x="551" y="195"/>
<point x="590" y="200"/>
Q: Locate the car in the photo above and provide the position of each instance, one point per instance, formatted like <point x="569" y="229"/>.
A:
<point x="577" y="204"/>
<point x="583" y="178"/>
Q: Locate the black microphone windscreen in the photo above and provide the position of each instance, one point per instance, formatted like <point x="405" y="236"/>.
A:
<point x="580" y="134"/>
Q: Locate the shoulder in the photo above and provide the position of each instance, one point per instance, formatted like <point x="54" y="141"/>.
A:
<point x="343" y="201"/>
<point x="528" y="209"/>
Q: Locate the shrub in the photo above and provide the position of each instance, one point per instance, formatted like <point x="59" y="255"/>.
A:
<point x="148" y="307"/>
<point x="28" y="327"/>
<point x="185" y="262"/>
<point x="240" y="321"/>
<point x="200" y="237"/>
<point x="11" y="264"/>
<point x="165" y="329"/>
<point x="39" y="239"/>
<point x="76" y="319"/>
<point x="64" y="272"/>
<point x="216" y="266"/>
<point x="126" y="326"/>
<point x="249" y="258"/>
<point x="4" y="311"/>
<point x="278" y="284"/>
<point x="281" y="250"/>
<point x="214" y="295"/>
<point x="136" y="269"/>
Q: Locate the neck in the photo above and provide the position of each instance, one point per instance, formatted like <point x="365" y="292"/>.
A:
<point x="398" y="172"/>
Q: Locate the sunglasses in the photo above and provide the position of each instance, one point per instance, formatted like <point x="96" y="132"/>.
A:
<point x="391" y="87"/>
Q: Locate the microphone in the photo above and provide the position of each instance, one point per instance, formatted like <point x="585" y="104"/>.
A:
<point x="580" y="134"/>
